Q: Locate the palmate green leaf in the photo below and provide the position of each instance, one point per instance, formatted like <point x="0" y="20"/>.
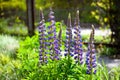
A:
<point x="63" y="69"/>
<point x="79" y="72"/>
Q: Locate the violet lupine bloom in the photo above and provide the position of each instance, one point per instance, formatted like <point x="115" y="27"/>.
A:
<point x="68" y="42"/>
<point x="53" y="41"/>
<point x="42" y="53"/>
<point x="91" y="56"/>
<point x="78" y="51"/>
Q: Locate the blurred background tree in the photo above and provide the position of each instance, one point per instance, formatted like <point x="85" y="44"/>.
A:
<point x="104" y="13"/>
<point x="114" y="21"/>
<point x="107" y="13"/>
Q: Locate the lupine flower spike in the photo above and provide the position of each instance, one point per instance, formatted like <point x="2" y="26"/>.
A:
<point x="53" y="41"/>
<point x="78" y="52"/>
<point x="68" y="42"/>
<point x="91" y="56"/>
<point x="42" y="53"/>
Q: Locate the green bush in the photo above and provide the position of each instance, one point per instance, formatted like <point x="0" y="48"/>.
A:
<point x="8" y="67"/>
<point x="3" y="25"/>
<point x="63" y="69"/>
<point x="18" y="28"/>
<point x="8" y="45"/>
<point x="108" y="51"/>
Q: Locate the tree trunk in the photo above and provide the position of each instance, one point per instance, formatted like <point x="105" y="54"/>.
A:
<point x="30" y="17"/>
<point x="114" y="19"/>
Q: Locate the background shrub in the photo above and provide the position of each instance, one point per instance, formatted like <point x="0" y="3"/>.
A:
<point x="8" y="45"/>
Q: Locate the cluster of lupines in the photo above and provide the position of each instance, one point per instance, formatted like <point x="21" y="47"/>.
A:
<point x="42" y="40"/>
<point x="70" y="48"/>
<point x="68" y="42"/>
<point x="78" y="52"/>
<point x="53" y="41"/>
<point x="90" y="56"/>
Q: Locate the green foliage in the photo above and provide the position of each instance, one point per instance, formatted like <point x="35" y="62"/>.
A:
<point x="100" y="11"/>
<point x="28" y="54"/>
<point x="8" y="67"/>
<point x="63" y="69"/>
<point x="12" y="4"/>
<point x="3" y="25"/>
<point x="42" y="3"/>
<point x="30" y="68"/>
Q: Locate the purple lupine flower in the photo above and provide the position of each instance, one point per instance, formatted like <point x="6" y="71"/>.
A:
<point x="91" y="56"/>
<point x="68" y="42"/>
<point x="78" y="51"/>
<point x="42" y="53"/>
<point x="53" y="41"/>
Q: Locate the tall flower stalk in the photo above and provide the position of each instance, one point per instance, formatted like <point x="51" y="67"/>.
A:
<point x="78" y="51"/>
<point x="60" y="35"/>
<point x="53" y="41"/>
<point x="68" y="42"/>
<point x="42" y="40"/>
<point x="91" y="56"/>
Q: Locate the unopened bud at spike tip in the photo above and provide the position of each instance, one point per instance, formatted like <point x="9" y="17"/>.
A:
<point x="69" y="16"/>
<point x="93" y="26"/>
<point x="41" y="14"/>
<point x="78" y="12"/>
<point x="69" y="21"/>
